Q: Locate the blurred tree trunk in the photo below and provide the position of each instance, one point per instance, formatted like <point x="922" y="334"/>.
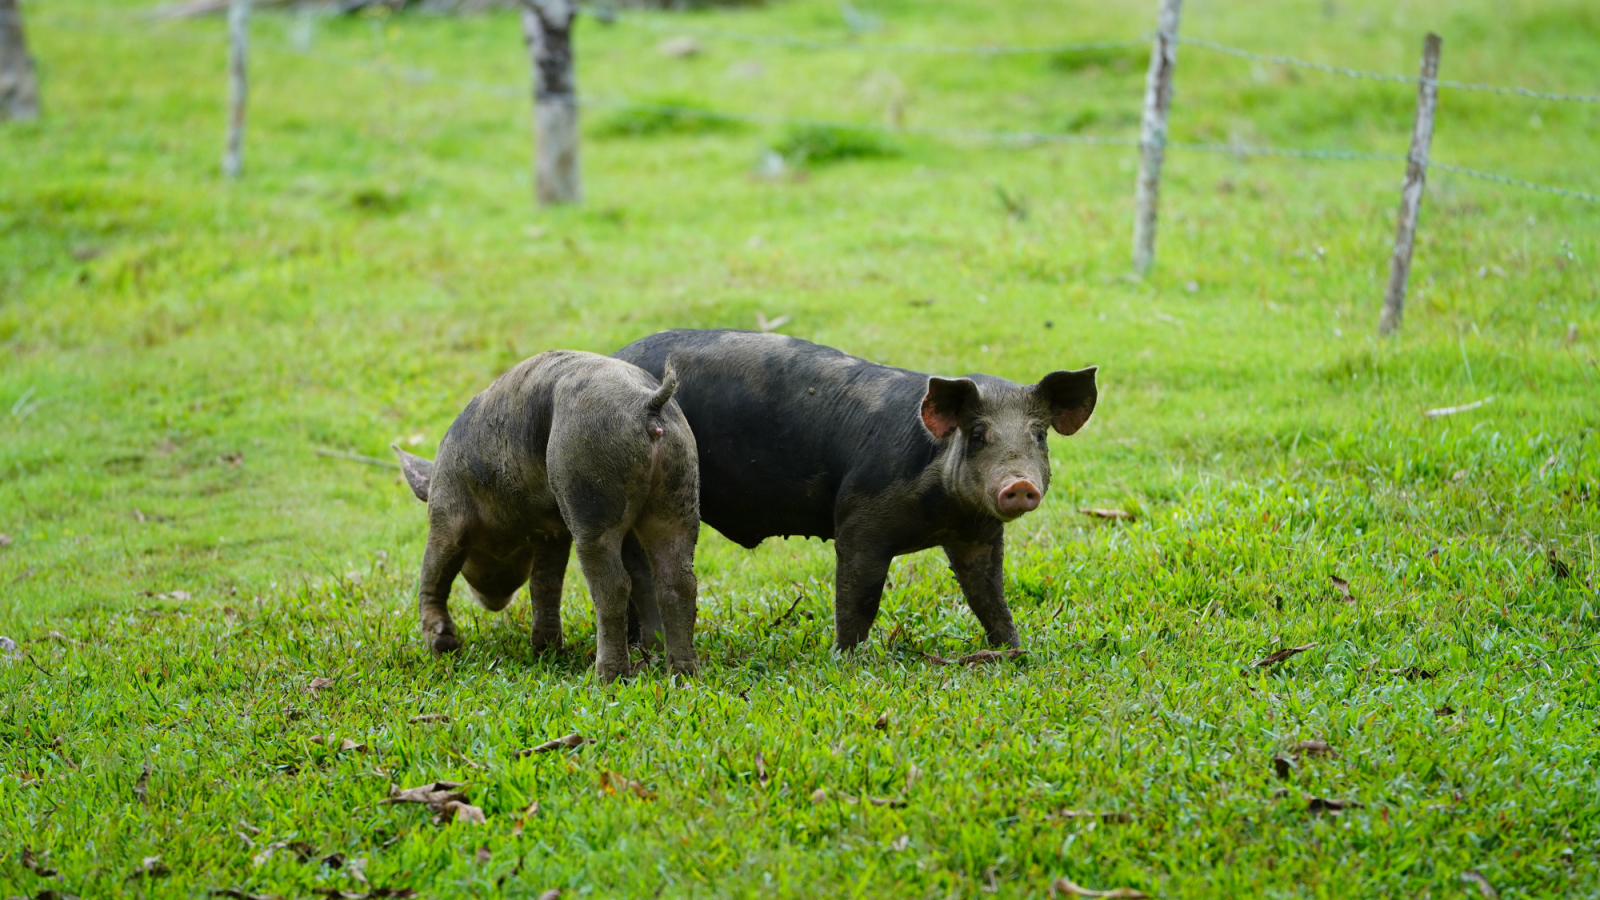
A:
<point x="547" y="27"/>
<point x="19" y="86"/>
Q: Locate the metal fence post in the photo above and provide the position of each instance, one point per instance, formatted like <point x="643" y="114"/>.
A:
<point x="1153" y="133"/>
<point x="1394" y="300"/>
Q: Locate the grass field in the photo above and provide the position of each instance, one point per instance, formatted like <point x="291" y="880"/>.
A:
<point x="183" y="567"/>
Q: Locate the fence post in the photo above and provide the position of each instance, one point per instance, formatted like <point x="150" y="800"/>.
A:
<point x="1153" y="133"/>
<point x="19" y="85"/>
<point x="1394" y="300"/>
<point x="547" y="28"/>
<point x="238" y="85"/>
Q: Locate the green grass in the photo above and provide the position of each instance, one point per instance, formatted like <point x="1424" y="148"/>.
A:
<point x="183" y="564"/>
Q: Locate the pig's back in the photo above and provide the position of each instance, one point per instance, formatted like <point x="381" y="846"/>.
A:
<point x="783" y="424"/>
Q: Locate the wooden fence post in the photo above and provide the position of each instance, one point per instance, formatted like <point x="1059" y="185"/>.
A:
<point x="1153" y="133"/>
<point x="19" y="84"/>
<point x="547" y="28"/>
<point x="1394" y="300"/>
<point x="238" y="85"/>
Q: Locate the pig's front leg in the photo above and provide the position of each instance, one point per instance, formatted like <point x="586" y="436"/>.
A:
<point x="862" y="568"/>
<point x="979" y="569"/>
<point x="441" y="562"/>
<point x="544" y="589"/>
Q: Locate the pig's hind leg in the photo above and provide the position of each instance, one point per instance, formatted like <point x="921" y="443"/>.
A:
<point x="668" y="541"/>
<point x="544" y="589"/>
<point x="600" y="556"/>
<point x="644" y="613"/>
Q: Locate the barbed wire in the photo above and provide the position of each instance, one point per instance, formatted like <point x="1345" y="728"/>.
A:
<point x="1514" y="182"/>
<point x="609" y="16"/>
<point x="1012" y="138"/>
<point x="1347" y="72"/>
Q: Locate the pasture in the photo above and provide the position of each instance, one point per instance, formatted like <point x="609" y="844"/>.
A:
<point x="207" y="612"/>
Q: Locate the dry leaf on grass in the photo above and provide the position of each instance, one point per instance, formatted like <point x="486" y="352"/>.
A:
<point x="988" y="656"/>
<point x="679" y="47"/>
<point x="241" y="895"/>
<point x="937" y="660"/>
<point x="5" y="540"/>
<point x="883" y="721"/>
<point x="319" y="683"/>
<point x="1109" y="818"/>
<point x="1313" y="748"/>
<point x="1282" y="765"/>
<point x="143" y="784"/>
<point x="761" y="768"/>
<point x="571" y="742"/>
<point x="1412" y="673"/>
<point x="260" y="859"/>
<point x="482" y="856"/>
<point x="150" y="867"/>
<point x="1484" y="887"/>
<point x="900" y="843"/>
<point x="552" y="894"/>
<point x="457" y="811"/>
<point x="1106" y="513"/>
<point x="33" y="865"/>
<point x="1445" y="710"/>
<point x="1344" y="589"/>
<point x="1321" y="805"/>
<point x="1066" y="886"/>
<point x="530" y="812"/>
<point x="617" y="783"/>
<point x="437" y="792"/>
<point x="345" y="744"/>
<point x="1273" y="659"/>
<point x="891" y="802"/>
<point x="374" y="894"/>
<point x="426" y="718"/>
<point x="820" y="795"/>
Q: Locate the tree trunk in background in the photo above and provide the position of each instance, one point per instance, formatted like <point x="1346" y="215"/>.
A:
<point x="19" y="86"/>
<point x="547" y="28"/>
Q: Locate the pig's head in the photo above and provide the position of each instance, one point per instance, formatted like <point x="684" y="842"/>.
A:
<point x="993" y="454"/>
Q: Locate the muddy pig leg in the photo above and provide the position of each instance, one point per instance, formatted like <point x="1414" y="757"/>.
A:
<point x="544" y="589"/>
<point x="600" y="557"/>
<point x="979" y="571"/>
<point x="860" y="571"/>
<point x="441" y="561"/>
<point x="670" y="544"/>
<point x="644" y="613"/>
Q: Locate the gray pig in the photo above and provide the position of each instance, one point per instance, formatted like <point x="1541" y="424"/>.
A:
<point x="567" y="447"/>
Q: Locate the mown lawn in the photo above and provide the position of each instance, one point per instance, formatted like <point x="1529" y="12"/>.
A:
<point x="197" y="596"/>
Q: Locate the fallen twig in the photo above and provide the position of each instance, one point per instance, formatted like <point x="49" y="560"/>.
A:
<point x="1452" y="410"/>
<point x="356" y="457"/>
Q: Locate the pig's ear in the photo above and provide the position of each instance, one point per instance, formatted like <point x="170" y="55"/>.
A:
<point x="946" y="398"/>
<point x="1071" y="397"/>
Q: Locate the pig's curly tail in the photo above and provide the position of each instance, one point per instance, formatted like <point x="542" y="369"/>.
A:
<point x="669" y="384"/>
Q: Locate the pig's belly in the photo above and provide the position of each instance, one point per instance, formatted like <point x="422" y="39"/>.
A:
<point x="749" y="499"/>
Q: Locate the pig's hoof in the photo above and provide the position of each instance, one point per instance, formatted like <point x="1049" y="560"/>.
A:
<point x="685" y="667"/>
<point x="609" y="674"/>
<point x="543" y="643"/>
<point x="445" y="643"/>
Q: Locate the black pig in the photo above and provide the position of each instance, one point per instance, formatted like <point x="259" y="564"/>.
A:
<point x="566" y="447"/>
<point x="799" y="439"/>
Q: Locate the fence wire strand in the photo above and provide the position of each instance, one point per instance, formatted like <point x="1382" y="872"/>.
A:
<point x="1347" y="72"/>
<point x="610" y="16"/>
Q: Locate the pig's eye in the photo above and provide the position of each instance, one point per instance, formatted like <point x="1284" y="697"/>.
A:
<point x="980" y="435"/>
<point x="1039" y="434"/>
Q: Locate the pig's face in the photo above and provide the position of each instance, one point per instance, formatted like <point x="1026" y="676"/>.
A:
<point x="994" y="455"/>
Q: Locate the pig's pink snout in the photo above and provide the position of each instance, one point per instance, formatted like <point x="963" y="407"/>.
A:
<point x="1018" y="497"/>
